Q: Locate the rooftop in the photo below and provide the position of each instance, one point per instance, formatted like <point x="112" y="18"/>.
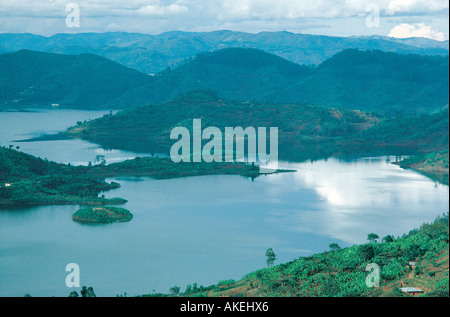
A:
<point x="411" y="290"/>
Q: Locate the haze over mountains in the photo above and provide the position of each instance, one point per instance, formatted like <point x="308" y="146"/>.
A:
<point x="151" y="54"/>
<point x="353" y="79"/>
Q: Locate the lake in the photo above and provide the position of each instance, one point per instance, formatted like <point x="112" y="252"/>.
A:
<point x="198" y="229"/>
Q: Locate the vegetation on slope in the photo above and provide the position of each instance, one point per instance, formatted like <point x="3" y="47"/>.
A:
<point x="25" y="179"/>
<point x="151" y="54"/>
<point x="352" y="79"/>
<point x="86" y="81"/>
<point x="102" y="215"/>
<point x="343" y="272"/>
<point x="376" y="81"/>
<point x="433" y="165"/>
<point x="305" y="132"/>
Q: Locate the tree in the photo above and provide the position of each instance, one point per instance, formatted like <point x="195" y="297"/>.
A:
<point x="100" y="159"/>
<point x="271" y="257"/>
<point x="366" y="251"/>
<point x="372" y="237"/>
<point x="87" y="292"/>
<point x="175" y="290"/>
<point x="334" y="247"/>
<point x="388" y="238"/>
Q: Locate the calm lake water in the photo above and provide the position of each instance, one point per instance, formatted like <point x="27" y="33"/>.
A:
<point x="198" y="229"/>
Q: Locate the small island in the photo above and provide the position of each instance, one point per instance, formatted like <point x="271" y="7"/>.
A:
<point x="102" y="215"/>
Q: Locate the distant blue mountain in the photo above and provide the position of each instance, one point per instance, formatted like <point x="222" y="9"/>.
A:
<point x="151" y="54"/>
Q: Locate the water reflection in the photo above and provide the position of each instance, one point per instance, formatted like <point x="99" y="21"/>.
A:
<point x="354" y="198"/>
<point x="200" y="229"/>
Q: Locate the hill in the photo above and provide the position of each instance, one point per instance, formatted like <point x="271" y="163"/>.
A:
<point x="433" y="164"/>
<point x="151" y="54"/>
<point x="84" y="81"/>
<point x="305" y="132"/>
<point x="374" y="81"/>
<point x="352" y="79"/>
<point x="25" y="179"/>
<point x="342" y="272"/>
<point x="235" y="73"/>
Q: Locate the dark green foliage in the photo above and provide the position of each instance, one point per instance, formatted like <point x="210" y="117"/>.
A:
<point x="372" y="237"/>
<point x="87" y="292"/>
<point x="334" y="246"/>
<point x="152" y="54"/>
<point x="379" y="81"/>
<point x="102" y="215"/>
<point x="175" y="290"/>
<point x="367" y="251"/>
<point x="434" y="165"/>
<point x="82" y="81"/>
<point x="270" y="257"/>
<point x="305" y="132"/>
<point x="56" y="183"/>
<point x="352" y="79"/>
<point x="34" y="180"/>
<point x="438" y="293"/>
<point x="342" y="273"/>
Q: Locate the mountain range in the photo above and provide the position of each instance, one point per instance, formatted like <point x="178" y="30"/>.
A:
<point x="368" y="80"/>
<point x="151" y="54"/>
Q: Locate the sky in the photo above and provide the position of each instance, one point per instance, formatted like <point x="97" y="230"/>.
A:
<point x="396" y="18"/>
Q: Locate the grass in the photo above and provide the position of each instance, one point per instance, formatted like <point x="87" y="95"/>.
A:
<point x="102" y="215"/>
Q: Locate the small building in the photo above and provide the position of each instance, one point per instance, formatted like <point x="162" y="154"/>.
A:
<point x="411" y="291"/>
<point x="8" y="184"/>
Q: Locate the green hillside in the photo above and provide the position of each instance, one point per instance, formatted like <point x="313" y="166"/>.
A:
<point x="352" y="79"/>
<point x="25" y="179"/>
<point x="305" y="132"/>
<point x="87" y="81"/>
<point x="235" y="73"/>
<point x="151" y="54"/>
<point x="433" y="164"/>
<point x="375" y="81"/>
<point x="343" y="272"/>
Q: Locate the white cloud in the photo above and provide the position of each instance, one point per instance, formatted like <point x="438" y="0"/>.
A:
<point x="406" y="30"/>
<point x="162" y="10"/>
<point x="416" y="6"/>
<point x="155" y="16"/>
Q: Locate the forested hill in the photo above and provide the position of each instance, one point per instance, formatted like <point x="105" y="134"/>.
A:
<point x="29" y="78"/>
<point x="151" y="54"/>
<point x="375" y="81"/>
<point x="353" y="79"/>
<point x="305" y="132"/>
<point x="235" y="73"/>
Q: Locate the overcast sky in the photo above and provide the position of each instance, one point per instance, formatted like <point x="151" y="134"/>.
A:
<point x="398" y="18"/>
